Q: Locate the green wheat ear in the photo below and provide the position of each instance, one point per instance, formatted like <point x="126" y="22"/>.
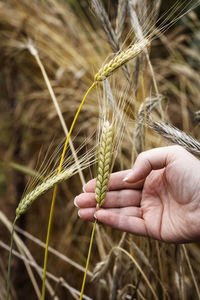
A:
<point x="121" y="59"/>
<point x="103" y="174"/>
<point x="27" y="201"/>
<point x="104" y="162"/>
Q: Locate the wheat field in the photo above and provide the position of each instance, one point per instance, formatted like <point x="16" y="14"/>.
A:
<point x="143" y="58"/>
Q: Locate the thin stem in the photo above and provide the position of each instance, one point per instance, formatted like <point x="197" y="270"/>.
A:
<point x="55" y="190"/>
<point x="9" y="260"/>
<point x="154" y="83"/>
<point x="88" y="259"/>
<point x="191" y="271"/>
<point x="139" y="268"/>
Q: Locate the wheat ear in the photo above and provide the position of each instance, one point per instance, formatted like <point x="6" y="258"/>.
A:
<point x="53" y="178"/>
<point x="103" y="174"/>
<point x="176" y="136"/>
<point x="104" y="163"/>
<point x="113" y="38"/>
<point x="27" y="201"/>
<point x="102" y="267"/>
<point x="122" y="58"/>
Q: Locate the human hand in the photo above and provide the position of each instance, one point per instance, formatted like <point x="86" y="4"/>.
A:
<point x="159" y="197"/>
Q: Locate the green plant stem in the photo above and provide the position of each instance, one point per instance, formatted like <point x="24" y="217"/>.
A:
<point x="88" y="259"/>
<point x="55" y="190"/>
<point x="9" y="260"/>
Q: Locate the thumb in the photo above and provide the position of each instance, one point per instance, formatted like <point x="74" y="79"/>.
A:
<point x="153" y="159"/>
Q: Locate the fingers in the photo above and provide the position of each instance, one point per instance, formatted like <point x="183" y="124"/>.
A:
<point x="122" y="221"/>
<point x="88" y="213"/>
<point x="147" y="161"/>
<point x="126" y="211"/>
<point x="115" y="182"/>
<point x="153" y="159"/>
<point x="123" y="198"/>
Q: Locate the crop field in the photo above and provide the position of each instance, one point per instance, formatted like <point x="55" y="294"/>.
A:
<point x="85" y="87"/>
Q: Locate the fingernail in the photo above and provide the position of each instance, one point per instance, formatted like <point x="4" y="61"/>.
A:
<point x="79" y="213"/>
<point x="128" y="177"/>
<point x="125" y="178"/>
<point x="84" y="188"/>
<point x="75" y="203"/>
<point x="95" y="216"/>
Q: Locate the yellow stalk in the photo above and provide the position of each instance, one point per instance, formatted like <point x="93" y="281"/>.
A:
<point x="103" y="175"/>
<point x="88" y="259"/>
<point x="55" y="189"/>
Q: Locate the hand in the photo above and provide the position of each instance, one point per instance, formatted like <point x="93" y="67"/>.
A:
<point x="159" y="197"/>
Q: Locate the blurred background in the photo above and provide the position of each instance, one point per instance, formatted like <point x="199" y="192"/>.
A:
<point x="72" y="45"/>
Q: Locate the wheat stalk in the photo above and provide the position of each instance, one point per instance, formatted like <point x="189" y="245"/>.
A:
<point x="122" y="58"/>
<point x="55" y="188"/>
<point x="191" y="271"/>
<point x="120" y="20"/>
<point x="143" y="114"/>
<point x="176" y="136"/>
<point x="106" y="24"/>
<point x="138" y="30"/>
<point x="104" y="163"/>
<point x="103" y="174"/>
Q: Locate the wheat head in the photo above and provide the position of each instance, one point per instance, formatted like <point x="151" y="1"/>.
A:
<point x="176" y="136"/>
<point x="70" y="168"/>
<point x="27" y="201"/>
<point x="122" y="58"/>
<point x="104" y="162"/>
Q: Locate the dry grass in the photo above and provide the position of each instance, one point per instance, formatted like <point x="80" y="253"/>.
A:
<point x="73" y="47"/>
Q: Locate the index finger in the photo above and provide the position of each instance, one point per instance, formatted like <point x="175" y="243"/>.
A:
<point x="115" y="183"/>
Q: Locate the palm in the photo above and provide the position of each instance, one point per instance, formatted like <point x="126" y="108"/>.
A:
<point x="165" y="207"/>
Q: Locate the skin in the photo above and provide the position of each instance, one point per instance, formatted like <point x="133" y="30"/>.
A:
<point x="159" y="197"/>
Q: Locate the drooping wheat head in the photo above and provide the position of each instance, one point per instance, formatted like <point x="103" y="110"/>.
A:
<point x="176" y="136"/>
<point x="122" y="58"/>
<point x="69" y="169"/>
<point x="27" y="201"/>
